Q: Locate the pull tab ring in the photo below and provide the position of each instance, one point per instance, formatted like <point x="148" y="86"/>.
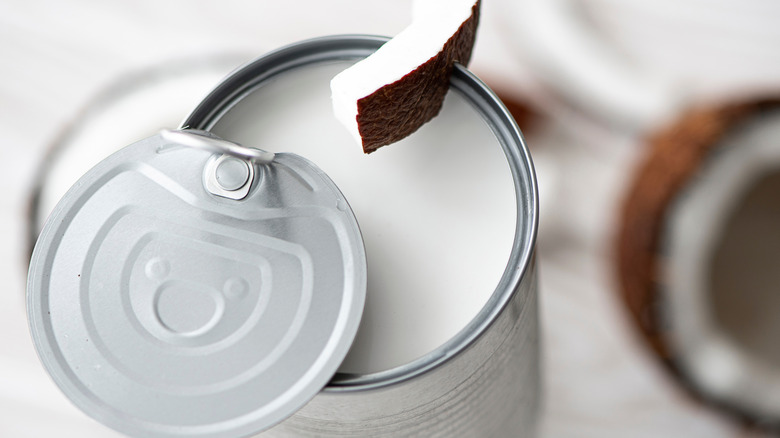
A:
<point x="207" y="141"/>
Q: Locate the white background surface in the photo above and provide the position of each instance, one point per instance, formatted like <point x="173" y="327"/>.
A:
<point x="55" y="55"/>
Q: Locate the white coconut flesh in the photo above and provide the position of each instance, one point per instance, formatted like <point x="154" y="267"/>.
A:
<point x="434" y="22"/>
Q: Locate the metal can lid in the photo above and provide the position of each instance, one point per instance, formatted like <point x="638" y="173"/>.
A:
<point x="163" y="309"/>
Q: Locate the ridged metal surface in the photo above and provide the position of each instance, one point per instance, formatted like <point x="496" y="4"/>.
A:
<point x="489" y="390"/>
<point x="163" y="311"/>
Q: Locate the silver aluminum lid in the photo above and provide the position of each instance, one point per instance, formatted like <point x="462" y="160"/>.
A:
<point x="161" y="309"/>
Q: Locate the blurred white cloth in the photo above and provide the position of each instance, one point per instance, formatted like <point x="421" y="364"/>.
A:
<point x="637" y="62"/>
<point x="599" y="380"/>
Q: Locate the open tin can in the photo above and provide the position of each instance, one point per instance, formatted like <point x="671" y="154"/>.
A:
<point x="161" y="363"/>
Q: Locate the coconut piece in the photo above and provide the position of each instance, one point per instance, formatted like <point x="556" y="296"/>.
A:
<point x="390" y="94"/>
<point x="674" y="157"/>
<point x="661" y="183"/>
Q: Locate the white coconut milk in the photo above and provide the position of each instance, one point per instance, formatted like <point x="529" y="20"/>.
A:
<point x="437" y="210"/>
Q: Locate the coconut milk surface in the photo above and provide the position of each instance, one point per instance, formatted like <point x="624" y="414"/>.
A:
<point x="437" y="210"/>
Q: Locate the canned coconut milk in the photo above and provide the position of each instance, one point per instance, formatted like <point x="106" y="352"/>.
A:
<point x="192" y="286"/>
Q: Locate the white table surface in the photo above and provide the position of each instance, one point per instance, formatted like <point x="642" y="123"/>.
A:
<point x="599" y="379"/>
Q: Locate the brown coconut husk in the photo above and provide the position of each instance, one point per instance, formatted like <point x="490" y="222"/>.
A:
<point x="395" y="111"/>
<point x="673" y="158"/>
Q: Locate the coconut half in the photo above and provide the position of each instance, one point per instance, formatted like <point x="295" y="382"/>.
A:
<point x="389" y="95"/>
<point x="697" y="255"/>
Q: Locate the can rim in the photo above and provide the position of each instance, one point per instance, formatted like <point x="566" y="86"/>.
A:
<point x="349" y="47"/>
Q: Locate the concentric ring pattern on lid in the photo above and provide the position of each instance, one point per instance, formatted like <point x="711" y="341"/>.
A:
<point x="162" y="310"/>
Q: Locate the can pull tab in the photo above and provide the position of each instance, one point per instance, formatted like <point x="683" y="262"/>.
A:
<point x="230" y="174"/>
<point x="198" y="139"/>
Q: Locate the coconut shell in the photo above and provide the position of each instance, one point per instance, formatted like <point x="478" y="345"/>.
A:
<point x="673" y="158"/>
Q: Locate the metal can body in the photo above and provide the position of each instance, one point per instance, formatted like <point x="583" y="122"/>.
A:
<point x="490" y="389"/>
<point x="484" y="381"/>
